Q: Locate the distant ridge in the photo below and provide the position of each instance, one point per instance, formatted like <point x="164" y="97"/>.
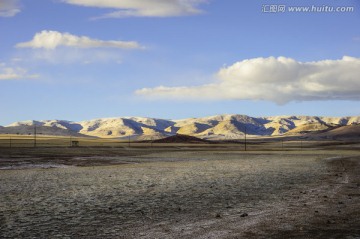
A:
<point x="218" y="127"/>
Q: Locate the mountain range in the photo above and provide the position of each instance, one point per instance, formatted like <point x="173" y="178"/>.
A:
<point x="229" y="126"/>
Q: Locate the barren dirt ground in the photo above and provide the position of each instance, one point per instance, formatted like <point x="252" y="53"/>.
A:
<point x="179" y="194"/>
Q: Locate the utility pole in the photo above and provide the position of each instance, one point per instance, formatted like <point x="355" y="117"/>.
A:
<point x="34" y="135"/>
<point x="129" y="141"/>
<point x="245" y="138"/>
<point x="10" y="142"/>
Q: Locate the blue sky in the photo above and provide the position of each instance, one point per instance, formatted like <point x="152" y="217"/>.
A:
<point x="84" y="59"/>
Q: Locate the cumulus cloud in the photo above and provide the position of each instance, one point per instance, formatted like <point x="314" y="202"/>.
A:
<point x="280" y="80"/>
<point x="143" y="8"/>
<point x="9" y="8"/>
<point x="53" y="39"/>
<point x="14" y="73"/>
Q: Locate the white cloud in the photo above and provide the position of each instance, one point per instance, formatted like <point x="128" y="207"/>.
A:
<point x="73" y="56"/>
<point x="53" y="39"/>
<point x="14" y="73"/>
<point x="9" y="8"/>
<point x="280" y="80"/>
<point x="143" y="8"/>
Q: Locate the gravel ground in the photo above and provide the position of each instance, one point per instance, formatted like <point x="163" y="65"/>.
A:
<point x="186" y="195"/>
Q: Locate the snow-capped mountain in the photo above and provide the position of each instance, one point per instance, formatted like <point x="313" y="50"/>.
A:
<point x="213" y="127"/>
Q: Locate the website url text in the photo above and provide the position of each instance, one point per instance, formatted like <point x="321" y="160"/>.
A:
<point x="306" y="9"/>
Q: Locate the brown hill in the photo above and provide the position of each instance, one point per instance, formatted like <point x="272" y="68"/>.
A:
<point x="343" y="132"/>
<point x="180" y="138"/>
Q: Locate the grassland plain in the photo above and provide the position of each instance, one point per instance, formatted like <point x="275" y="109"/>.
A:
<point x="179" y="193"/>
